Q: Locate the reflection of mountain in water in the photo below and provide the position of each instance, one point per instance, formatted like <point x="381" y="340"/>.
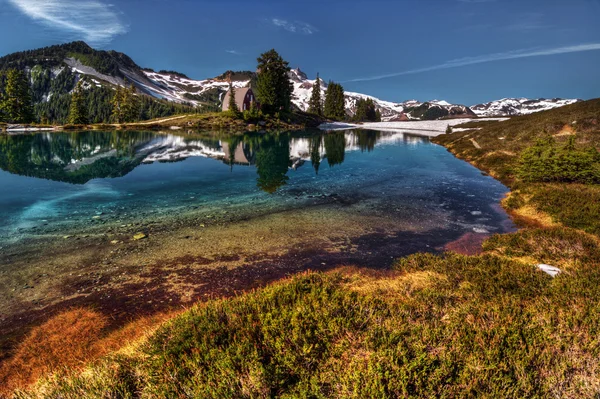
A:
<point x="72" y="157"/>
<point x="80" y="157"/>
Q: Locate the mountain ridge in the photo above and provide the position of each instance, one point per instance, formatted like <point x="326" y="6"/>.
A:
<point x="108" y="69"/>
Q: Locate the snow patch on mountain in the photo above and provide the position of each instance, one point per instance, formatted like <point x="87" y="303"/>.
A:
<point x="519" y="106"/>
<point x="389" y="110"/>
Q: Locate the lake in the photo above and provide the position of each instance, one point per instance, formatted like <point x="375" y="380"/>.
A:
<point x="220" y="213"/>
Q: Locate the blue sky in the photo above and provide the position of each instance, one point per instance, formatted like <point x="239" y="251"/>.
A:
<point x="462" y="51"/>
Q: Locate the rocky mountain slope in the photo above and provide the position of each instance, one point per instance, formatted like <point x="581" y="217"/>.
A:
<point x="518" y="106"/>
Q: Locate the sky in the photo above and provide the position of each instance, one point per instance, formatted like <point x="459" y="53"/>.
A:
<point x="461" y="51"/>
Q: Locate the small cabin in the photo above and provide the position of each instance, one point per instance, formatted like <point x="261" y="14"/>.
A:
<point x="244" y="97"/>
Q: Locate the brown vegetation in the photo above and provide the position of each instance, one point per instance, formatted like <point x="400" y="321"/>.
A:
<point x="67" y="343"/>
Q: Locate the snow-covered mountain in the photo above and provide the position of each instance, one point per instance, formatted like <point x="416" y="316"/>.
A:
<point x="390" y="111"/>
<point x="70" y="62"/>
<point x="518" y="106"/>
<point x="177" y="87"/>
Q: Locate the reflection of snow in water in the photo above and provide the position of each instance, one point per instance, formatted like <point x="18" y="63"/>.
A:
<point x="174" y="148"/>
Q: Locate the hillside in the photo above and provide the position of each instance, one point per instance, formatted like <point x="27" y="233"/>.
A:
<point x="54" y="71"/>
<point x="491" y="325"/>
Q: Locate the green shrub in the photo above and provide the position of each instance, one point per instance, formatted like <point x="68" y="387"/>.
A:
<point x="547" y="162"/>
<point x="253" y="114"/>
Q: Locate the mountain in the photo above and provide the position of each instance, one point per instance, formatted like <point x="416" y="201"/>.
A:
<point x="518" y="106"/>
<point x="390" y="111"/>
<point x="55" y="70"/>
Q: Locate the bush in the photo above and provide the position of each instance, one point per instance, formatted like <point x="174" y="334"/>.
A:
<point x="546" y="162"/>
<point x="253" y="114"/>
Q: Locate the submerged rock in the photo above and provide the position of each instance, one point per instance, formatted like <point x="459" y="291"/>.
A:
<point x="140" y="236"/>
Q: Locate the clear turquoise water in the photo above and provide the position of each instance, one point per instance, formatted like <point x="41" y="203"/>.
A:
<point x="53" y="183"/>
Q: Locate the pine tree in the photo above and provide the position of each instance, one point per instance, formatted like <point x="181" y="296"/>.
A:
<point x="273" y="86"/>
<point x="78" y="111"/>
<point x="233" y="108"/>
<point x="16" y="102"/>
<point x="315" y="105"/>
<point x="335" y="102"/>
<point x="3" y="113"/>
<point x="126" y="105"/>
<point x="133" y="104"/>
<point x="117" y="103"/>
<point x="365" y="111"/>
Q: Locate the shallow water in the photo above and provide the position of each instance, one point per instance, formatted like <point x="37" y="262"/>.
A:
<point x="57" y="183"/>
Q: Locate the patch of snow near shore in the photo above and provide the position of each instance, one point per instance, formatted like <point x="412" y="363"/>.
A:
<point x="423" y="128"/>
<point x="551" y="270"/>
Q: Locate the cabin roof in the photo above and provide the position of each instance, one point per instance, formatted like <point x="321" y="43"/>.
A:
<point x="240" y="95"/>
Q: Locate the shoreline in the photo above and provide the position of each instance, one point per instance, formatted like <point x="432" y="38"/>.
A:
<point x="190" y="258"/>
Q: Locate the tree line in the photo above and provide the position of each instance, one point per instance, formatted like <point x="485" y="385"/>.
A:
<point x="274" y="93"/>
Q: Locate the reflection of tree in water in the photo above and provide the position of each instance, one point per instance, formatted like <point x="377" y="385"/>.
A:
<point x="47" y="155"/>
<point x="315" y="152"/>
<point x="335" y="148"/>
<point x="366" y="139"/>
<point x="272" y="162"/>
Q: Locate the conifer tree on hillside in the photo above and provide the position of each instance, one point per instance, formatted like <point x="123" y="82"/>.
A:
<point x="3" y="115"/>
<point x="133" y="105"/>
<point x="335" y="102"/>
<point x="315" y="106"/>
<point x="366" y="112"/>
<point x="78" y="110"/>
<point x="126" y="105"/>
<point x="16" y="104"/>
<point x="233" y="108"/>
<point x="273" y="85"/>
<point x="117" y="102"/>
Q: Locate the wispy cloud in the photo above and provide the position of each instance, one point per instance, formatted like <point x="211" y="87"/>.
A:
<point x="91" y="20"/>
<point x="294" y="26"/>
<point x="509" y="55"/>
<point x="234" y="52"/>
<point x="528" y="22"/>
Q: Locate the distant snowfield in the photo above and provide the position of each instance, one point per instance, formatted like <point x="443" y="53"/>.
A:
<point x="422" y="128"/>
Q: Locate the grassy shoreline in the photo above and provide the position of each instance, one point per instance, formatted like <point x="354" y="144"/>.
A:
<point x="490" y="325"/>
<point x="220" y="121"/>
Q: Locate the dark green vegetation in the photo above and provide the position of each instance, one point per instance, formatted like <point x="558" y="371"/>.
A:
<point x="15" y="97"/>
<point x="78" y="112"/>
<point x="546" y="161"/>
<point x="233" y="108"/>
<point x="366" y="112"/>
<point x="334" y="106"/>
<point x="273" y="85"/>
<point x="315" y="104"/>
<point x="35" y="156"/>
<point x="106" y="62"/>
<point x="126" y="105"/>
